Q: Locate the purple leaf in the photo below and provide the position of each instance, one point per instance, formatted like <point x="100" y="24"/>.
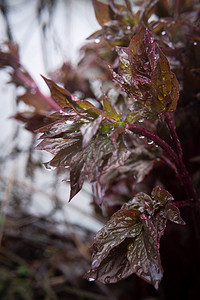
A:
<point x="146" y="76"/>
<point x="89" y="130"/>
<point x="144" y="256"/>
<point x="132" y="237"/>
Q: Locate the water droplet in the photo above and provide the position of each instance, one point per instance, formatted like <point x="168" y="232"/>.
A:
<point x="50" y="168"/>
<point x="141" y="137"/>
<point x="145" y="66"/>
<point x="97" y="41"/>
<point x="91" y="279"/>
<point x="141" y="120"/>
<point x="150" y="142"/>
<point x="163" y="32"/>
<point x="128" y="27"/>
<point x="107" y="279"/>
<point x="195" y="43"/>
<point x="69" y="122"/>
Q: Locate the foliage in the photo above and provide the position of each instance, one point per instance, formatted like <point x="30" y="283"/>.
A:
<point x="122" y="138"/>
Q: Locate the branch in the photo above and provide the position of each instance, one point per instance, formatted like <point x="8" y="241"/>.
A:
<point x="182" y="168"/>
<point x="156" y="139"/>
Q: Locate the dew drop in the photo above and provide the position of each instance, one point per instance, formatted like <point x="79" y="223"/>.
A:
<point x="141" y="137"/>
<point x="97" y="41"/>
<point x="107" y="279"/>
<point x="91" y="279"/>
<point x="69" y="122"/>
<point x="141" y="120"/>
<point x="50" y="168"/>
<point x="163" y="32"/>
<point x="195" y="43"/>
<point x="150" y="142"/>
<point x="128" y="27"/>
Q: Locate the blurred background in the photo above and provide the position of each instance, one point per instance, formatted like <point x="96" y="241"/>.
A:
<point x="44" y="240"/>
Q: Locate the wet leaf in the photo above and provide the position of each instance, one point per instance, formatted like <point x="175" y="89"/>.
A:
<point x="144" y="256"/>
<point x="132" y="236"/>
<point x="89" y="130"/>
<point x="101" y="12"/>
<point x="77" y="174"/>
<point x="146" y="75"/>
<point x="109" y="109"/>
<point x="62" y="96"/>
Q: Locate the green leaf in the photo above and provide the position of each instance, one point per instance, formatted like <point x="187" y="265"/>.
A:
<point x="109" y="109"/>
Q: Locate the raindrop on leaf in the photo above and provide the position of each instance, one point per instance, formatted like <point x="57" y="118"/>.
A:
<point x="91" y="279"/>
<point x="107" y="279"/>
<point x="141" y="120"/>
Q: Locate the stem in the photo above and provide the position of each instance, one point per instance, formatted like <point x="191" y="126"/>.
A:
<point x="182" y="168"/>
<point x="156" y="139"/>
<point x="177" y="159"/>
<point x="170" y="164"/>
<point x="171" y="125"/>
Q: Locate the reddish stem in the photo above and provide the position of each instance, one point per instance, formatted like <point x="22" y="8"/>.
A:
<point x="182" y="168"/>
<point x="156" y="139"/>
<point x="176" y="159"/>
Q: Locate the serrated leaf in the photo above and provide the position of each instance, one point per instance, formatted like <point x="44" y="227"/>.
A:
<point x="146" y="75"/>
<point x="77" y="173"/>
<point x="123" y="224"/>
<point x="62" y="96"/>
<point x="132" y="236"/>
<point x="144" y="256"/>
<point x="101" y="12"/>
<point x="89" y="130"/>
<point x="109" y="109"/>
<point x="164" y="85"/>
<point x="113" y="268"/>
<point x="116" y="134"/>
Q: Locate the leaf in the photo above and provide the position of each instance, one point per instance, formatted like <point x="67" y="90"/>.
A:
<point x="101" y="12"/>
<point x="77" y="174"/>
<point x="132" y="237"/>
<point x="164" y="83"/>
<point x="165" y="210"/>
<point x="116" y="134"/>
<point x="146" y="76"/>
<point x="123" y="224"/>
<point x="109" y="109"/>
<point x="144" y="256"/>
<point x="89" y="130"/>
<point x="62" y="96"/>
<point x="37" y="101"/>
